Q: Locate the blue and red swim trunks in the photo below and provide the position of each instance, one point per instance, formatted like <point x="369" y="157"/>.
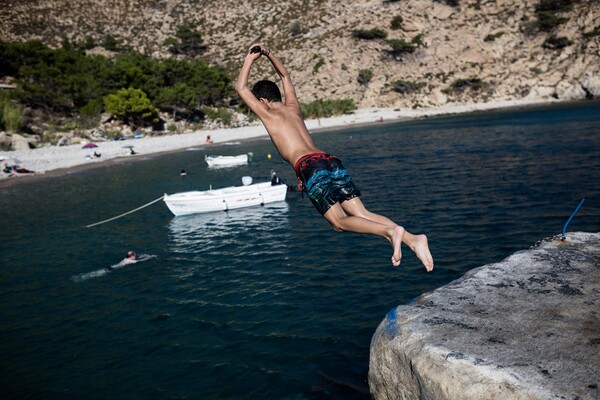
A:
<point x="325" y="180"/>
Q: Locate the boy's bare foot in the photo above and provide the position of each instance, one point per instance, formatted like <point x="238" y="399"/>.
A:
<point x="397" y="236"/>
<point x="421" y="248"/>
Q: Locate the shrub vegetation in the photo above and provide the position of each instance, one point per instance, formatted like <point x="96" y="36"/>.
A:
<point x="546" y="12"/>
<point x="493" y="36"/>
<point x="556" y="43"/>
<point x="397" y="22"/>
<point x="188" y="42"/>
<point x="364" y="76"/>
<point x="11" y="114"/>
<point x="406" y="87"/>
<point x="401" y="46"/>
<point x="327" y="108"/>
<point x="371" y="34"/>
<point x="460" y="85"/>
<point x="68" y="82"/>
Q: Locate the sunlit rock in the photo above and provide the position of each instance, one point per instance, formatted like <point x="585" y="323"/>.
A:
<point x="525" y="328"/>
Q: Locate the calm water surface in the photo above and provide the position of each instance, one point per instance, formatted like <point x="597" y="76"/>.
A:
<point x="269" y="302"/>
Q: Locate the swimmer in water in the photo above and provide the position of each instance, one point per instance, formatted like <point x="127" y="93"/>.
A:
<point x="130" y="259"/>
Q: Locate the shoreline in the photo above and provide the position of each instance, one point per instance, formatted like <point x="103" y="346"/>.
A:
<point x="54" y="161"/>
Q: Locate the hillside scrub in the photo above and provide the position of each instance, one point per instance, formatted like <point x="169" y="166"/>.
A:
<point x="546" y="11"/>
<point x="401" y="46"/>
<point x="11" y="114"/>
<point x="460" y="85"/>
<point x="406" y="87"/>
<point x="371" y="34"/>
<point x="67" y="81"/>
<point x="327" y="108"/>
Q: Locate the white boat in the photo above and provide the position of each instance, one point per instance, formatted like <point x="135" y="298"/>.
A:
<point x="226" y="161"/>
<point x="228" y="198"/>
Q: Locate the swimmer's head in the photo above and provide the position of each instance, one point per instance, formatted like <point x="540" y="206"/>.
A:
<point x="131" y="253"/>
<point x="266" y="89"/>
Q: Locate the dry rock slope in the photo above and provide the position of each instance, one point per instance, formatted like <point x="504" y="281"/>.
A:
<point x="494" y="42"/>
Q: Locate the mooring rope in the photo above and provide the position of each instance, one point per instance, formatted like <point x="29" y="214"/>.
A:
<point x="124" y="214"/>
<point x="562" y="237"/>
<point x="564" y="231"/>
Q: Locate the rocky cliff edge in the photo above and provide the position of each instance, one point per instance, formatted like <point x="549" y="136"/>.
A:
<point x="525" y="328"/>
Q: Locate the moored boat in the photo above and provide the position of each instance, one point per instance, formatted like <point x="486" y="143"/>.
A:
<point x="225" y="161"/>
<point x="224" y="199"/>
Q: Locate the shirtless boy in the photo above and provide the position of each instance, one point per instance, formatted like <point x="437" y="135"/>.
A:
<point x="321" y="175"/>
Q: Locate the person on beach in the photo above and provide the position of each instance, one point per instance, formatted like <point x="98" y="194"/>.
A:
<point x="321" y="175"/>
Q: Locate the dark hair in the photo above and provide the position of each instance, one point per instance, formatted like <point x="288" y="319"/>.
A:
<point x="266" y="89"/>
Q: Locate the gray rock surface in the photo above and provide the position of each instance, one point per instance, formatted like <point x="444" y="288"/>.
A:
<point x="19" y="142"/>
<point x="525" y="328"/>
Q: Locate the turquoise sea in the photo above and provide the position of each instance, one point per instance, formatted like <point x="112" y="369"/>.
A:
<point x="269" y="302"/>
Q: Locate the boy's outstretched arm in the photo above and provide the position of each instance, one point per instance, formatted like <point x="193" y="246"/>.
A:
<point x="288" y="87"/>
<point x="241" y="85"/>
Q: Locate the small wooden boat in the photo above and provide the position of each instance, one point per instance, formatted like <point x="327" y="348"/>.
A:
<point x="228" y="198"/>
<point x="226" y="161"/>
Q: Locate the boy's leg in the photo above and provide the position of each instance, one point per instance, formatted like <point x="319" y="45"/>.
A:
<point x="352" y="216"/>
<point x="343" y="222"/>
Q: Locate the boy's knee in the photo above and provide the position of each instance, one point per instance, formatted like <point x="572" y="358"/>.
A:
<point x="336" y="225"/>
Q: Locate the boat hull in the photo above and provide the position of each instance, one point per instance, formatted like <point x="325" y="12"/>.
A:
<point x="229" y="198"/>
<point x="226" y="161"/>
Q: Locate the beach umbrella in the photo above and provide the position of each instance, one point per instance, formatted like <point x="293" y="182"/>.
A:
<point x="10" y="161"/>
<point x="89" y="146"/>
<point x="128" y="146"/>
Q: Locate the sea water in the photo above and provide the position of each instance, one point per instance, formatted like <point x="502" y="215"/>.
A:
<point x="269" y="302"/>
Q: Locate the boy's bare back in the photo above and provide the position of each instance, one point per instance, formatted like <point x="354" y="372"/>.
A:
<point x="288" y="132"/>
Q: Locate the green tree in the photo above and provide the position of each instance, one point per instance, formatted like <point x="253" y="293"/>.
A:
<point x="178" y="99"/>
<point x="15" y="55"/>
<point x="397" y="22"/>
<point x="189" y="44"/>
<point x="110" y="43"/>
<point x="132" y="106"/>
<point x="68" y="81"/>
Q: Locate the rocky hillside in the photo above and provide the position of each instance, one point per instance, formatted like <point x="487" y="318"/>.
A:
<point x="470" y="51"/>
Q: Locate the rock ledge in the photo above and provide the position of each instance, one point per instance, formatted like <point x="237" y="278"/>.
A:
<point x="525" y="328"/>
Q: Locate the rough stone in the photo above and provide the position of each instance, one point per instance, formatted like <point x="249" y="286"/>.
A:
<point x="410" y="26"/>
<point x="592" y="85"/>
<point x="5" y="140"/>
<point x="569" y="91"/>
<point x="19" y="142"/>
<point x="525" y="328"/>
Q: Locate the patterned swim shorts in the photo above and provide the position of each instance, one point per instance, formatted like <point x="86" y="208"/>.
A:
<point x="325" y="180"/>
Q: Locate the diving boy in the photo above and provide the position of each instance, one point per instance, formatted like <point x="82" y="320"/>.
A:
<point x="321" y="175"/>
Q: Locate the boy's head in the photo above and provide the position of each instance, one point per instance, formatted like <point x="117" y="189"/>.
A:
<point x="266" y="89"/>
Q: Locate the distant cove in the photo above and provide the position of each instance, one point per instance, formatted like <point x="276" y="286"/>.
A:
<point x="270" y="302"/>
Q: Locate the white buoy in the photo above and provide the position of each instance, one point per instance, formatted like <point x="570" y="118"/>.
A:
<point x="246" y="180"/>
